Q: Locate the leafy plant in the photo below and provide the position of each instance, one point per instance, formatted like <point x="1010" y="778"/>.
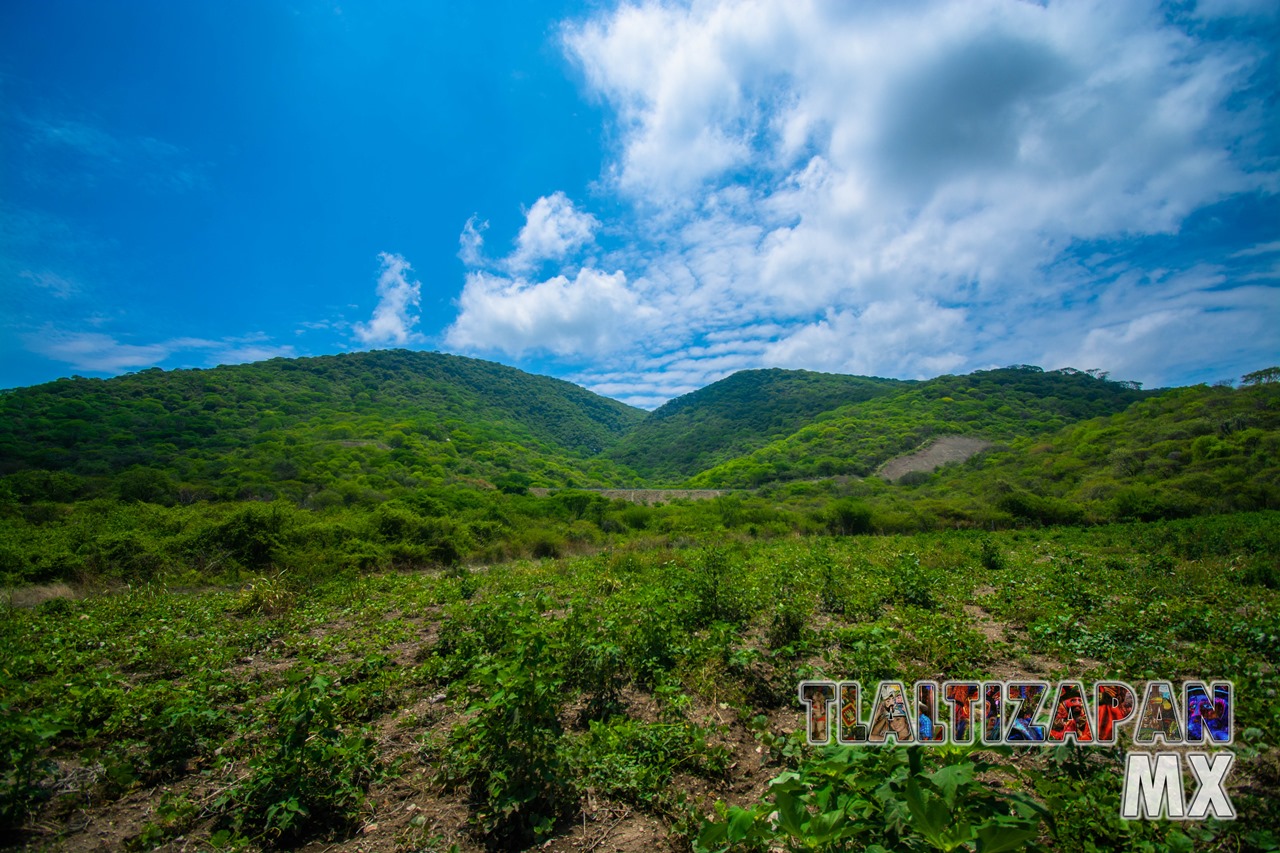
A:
<point x="310" y="775"/>
<point x="880" y="799"/>
<point x="633" y="762"/>
<point x="23" y="739"/>
<point x="506" y="753"/>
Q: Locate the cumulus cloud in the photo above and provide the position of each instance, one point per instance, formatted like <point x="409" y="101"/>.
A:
<point x="396" y="312"/>
<point x="901" y="189"/>
<point x="553" y="228"/>
<point x="582" y="313"/>
<point x="559" y="315"/>
<point x="917" y="335"/>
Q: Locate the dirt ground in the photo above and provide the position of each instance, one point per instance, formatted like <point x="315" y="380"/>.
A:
<point x="949" y="448"/>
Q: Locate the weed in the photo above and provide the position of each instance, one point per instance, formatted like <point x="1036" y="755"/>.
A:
<point x="264" y="596"/>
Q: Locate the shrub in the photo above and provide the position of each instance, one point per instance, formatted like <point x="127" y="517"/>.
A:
<point x="848" y="518"/>
<point x="991" y="556"/>
<point x="912" y="583"/>
<point x="251" y="535"/>
<point x="506" y="754"/>
<point x="312" y="776"/>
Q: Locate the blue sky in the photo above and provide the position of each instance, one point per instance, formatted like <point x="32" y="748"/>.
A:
<point x="642" y="198"/>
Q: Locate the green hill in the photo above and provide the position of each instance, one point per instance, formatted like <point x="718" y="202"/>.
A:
<point x="994" y="404"/>
<point x="1188" y="451"/>
<point x="298" y="427"/>
<point x="736" y="415"/>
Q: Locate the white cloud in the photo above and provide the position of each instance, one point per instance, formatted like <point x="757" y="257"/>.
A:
<point x="98" y="352"/>
<point x="95" y="352"/>
<point x="471" y="242"/>
<point x="57" y="285"/>
<point x="395" y="314"/>
<point x="561" y="316"/>
<point x="1260" y="249"/>
<point x="1144" y="335"/>
<point x="553" y="228"/>
<point x="896" y="189"/>
<point x="72" y="153"/>
<point x="912" y="174"/>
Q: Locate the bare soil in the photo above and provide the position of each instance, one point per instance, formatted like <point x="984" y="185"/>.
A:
<point x="949" y="448"/>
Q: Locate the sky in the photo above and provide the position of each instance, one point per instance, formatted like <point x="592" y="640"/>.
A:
<point x="642" y="198"/>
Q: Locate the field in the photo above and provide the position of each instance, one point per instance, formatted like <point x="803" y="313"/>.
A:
<point x="640" y="697"/>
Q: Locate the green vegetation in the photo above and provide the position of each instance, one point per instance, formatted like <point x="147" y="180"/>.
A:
<point x="994" y="404"/>
<point x="317" y="431"/>
<point x="1186" y="452"/>
<point x="312" y="599"/>
<point x="508" y="703"/>
<point x="734" y="416"/>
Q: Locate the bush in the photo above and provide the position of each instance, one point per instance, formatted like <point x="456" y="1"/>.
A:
<point x="848" y="518"/>
<point x="506" y="754"/>
<point x="912" y="583"/>
<point x="311" y="777"/>
<point x="251" y="535"/>
<point x="990" y="556"/>
<point x="546" y="546"/>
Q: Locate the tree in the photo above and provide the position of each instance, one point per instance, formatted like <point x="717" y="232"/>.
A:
<point x="1261" y="377"/>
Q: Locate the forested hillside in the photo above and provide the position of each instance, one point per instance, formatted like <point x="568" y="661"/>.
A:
<point x="735" y="416"/>
<point x="309" y="429"/>
<point x="996" y="404"/>
<point x="1188" y="451"/>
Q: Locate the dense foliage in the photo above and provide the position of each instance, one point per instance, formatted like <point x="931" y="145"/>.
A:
<point x="1186" y="452"/>
<point x="734" y="416"/>
<point x="995" y="404"/>
<point x="318" y="430"/>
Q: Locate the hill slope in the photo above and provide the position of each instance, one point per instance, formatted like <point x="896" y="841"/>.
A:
<point x="1185" y="452"/>
<point x="289" y="427"/>
<point x="854" y="439"/>
<point x="736" y="415"/>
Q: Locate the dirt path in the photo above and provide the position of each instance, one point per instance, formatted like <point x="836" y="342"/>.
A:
<point x="949" y="448"/>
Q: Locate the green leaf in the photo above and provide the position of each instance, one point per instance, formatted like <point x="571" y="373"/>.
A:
<point x="949" y="779"/>
<point x="791" y="813"/>
<point x="932" y="817"/>
<point x="741" y="822"/>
